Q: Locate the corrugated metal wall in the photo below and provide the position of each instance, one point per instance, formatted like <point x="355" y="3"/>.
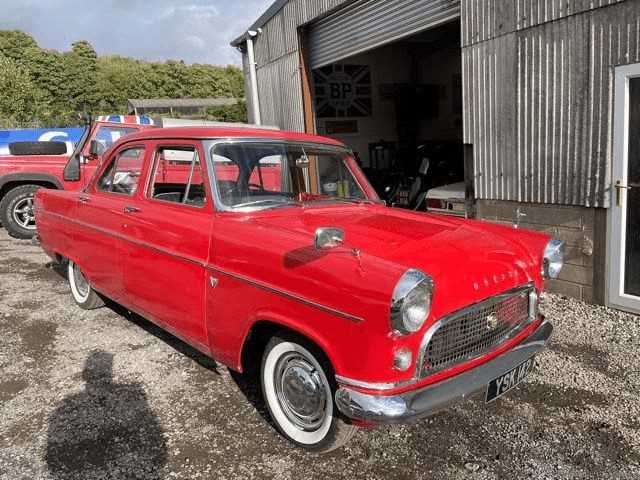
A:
<point x="278" y="66"/>
<point x="538" y="90"/>
<point x="539" y="99"/>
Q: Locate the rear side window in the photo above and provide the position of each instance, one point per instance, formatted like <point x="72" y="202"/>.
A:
<point x="123" y="174"/>
<point x="177" y="176"/>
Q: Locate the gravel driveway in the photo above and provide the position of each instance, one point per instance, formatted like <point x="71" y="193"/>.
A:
<point x="105" y="394"/>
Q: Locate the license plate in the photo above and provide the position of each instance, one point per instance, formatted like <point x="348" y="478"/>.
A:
<point x="505" y="382"/>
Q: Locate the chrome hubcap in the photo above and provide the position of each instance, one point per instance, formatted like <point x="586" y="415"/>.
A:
<point x="23" y="213"/>
<point x="81" y="283"/>
<point x="301" y="392"/>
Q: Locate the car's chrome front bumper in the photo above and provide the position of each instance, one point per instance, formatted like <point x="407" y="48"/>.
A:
<point x="415" y="404"/>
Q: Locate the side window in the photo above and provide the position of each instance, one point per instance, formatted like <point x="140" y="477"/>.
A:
<point x="123" y="174"/>
<point x="177" y="176"/>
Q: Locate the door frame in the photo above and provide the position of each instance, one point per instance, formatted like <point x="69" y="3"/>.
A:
<point x="616" y="226"/>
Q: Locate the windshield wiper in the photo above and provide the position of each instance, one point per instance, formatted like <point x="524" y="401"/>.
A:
<point x="352" y="200"/>
<point x="255" y="203"/>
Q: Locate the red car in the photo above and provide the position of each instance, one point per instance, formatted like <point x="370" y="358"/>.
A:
<point x="354" y="313"/>
<point x="43" y="166"/>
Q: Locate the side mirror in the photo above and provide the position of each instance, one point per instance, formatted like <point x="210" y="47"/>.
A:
<point x="71" y="171"/>
<point x="96" y="148"/>
<point x="328" y="237"/>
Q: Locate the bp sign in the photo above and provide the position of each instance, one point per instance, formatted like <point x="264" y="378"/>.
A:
<point x="343" y="91"/>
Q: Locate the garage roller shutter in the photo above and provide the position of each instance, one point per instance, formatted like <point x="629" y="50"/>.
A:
<point x="368" y="24"/>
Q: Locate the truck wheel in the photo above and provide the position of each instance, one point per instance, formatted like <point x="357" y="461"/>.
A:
<point x="16" y="211"/>
<point x="83" y="294"/>
<point x="37" y="148"/>
<point x="299" y="394"/>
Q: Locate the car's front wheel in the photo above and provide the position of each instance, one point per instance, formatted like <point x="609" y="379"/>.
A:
<point x="300" y="397"/>
<point x="83" y="294"/>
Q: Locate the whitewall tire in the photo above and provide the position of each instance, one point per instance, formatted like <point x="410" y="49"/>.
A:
<point x="299" y="394"/>
<point x="81" y="290"/>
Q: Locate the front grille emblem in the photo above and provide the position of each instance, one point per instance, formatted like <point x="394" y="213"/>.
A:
<point x="492" y="322"/>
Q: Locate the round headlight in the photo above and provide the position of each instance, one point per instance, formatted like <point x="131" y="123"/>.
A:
<point x="553" y="258"/>
<point x="411" y="302"/>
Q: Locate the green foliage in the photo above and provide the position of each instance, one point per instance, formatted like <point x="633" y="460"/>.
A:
<point x="20" y="99"/>
<point x="230" y="113"/>
<point x="62" y="85"/>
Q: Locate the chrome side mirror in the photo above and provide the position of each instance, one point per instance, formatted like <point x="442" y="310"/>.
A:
<point x="328" y="237"/>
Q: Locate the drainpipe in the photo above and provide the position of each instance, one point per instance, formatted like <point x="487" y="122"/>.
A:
<point x="253" y="77"/>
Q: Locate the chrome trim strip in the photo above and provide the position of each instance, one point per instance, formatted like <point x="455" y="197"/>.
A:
<point x="291" y="296"/>
<point x="463" y="311"/>
<point x="284" y="293"/>
<point x="263" y="286"/>
<point x="370" y="386"/>
<point x="129" y="240"/>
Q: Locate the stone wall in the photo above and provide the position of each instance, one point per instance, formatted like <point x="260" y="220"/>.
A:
<point x="582" y="229"/>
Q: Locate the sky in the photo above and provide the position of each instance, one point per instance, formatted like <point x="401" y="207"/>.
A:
<point x="196" y="31"/>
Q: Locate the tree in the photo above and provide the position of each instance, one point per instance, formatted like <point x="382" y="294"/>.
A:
<point x="19" y="102"/>
<point x="14" y="44"/>
<point x="82" y="67"/>
<point x="78" y="81"/>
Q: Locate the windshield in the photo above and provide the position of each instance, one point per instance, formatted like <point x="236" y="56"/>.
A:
<point x="106" y="136"/>
<point x="268" y="175"/>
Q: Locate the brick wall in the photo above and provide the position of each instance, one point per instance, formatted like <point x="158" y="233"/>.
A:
<point x="582" y="229"/>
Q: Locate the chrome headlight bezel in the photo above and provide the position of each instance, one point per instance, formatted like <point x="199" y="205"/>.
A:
<point x="553" y="258"/>
<point x="411" y="302"/>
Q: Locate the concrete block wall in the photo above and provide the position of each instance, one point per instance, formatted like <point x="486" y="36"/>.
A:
<point x="582" y="229"/>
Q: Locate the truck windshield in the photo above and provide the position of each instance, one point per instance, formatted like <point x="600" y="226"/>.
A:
<point x="269" y="175"/>
<point x="106" y="136"/>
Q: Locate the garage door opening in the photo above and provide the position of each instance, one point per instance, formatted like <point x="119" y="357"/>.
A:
<point x="399" y="107"/>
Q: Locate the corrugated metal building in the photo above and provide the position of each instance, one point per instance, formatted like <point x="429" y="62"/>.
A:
<point x="539" y="106"/>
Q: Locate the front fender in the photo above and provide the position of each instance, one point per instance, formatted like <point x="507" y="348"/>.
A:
<point x="38" y="178"/>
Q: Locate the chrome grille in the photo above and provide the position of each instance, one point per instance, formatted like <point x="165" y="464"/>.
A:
<point x="476" y="330"/>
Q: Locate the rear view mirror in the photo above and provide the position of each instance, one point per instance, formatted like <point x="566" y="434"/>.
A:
<point x="71" y="171"/>
<point x="96" y="148"/>
<point x="327" y="237"/>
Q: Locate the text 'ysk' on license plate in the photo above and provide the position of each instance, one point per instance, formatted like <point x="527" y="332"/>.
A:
<point x="507" y="381"/>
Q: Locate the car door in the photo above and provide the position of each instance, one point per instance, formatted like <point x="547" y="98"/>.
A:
<point x="168" y="228"/>
<point x="100" y="215"/>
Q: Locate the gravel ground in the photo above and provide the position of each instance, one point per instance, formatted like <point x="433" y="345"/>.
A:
<point x="106" y="395"/>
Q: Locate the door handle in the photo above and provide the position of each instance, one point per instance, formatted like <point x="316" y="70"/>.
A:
<point x="619" y="188"/>
<point x="130" y="209"/>
<point x="83" y="199"/>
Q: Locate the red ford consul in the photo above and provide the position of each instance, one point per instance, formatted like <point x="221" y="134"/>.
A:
<point x="270" y="249"/>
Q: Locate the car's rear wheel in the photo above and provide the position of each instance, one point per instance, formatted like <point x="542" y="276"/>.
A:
<point x="299" y="394"/>
<point x="81" y="291"/>
<point x="16" y="211"/>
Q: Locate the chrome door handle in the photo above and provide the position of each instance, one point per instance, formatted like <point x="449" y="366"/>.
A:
<point x="83" y="199"/>
<point x="130" y="209"/>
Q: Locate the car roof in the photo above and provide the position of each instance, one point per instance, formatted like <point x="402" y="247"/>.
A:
<point x="201" y="133"/>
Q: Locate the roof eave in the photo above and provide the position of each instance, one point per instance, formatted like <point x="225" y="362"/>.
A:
<point x="261" y="22"/>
